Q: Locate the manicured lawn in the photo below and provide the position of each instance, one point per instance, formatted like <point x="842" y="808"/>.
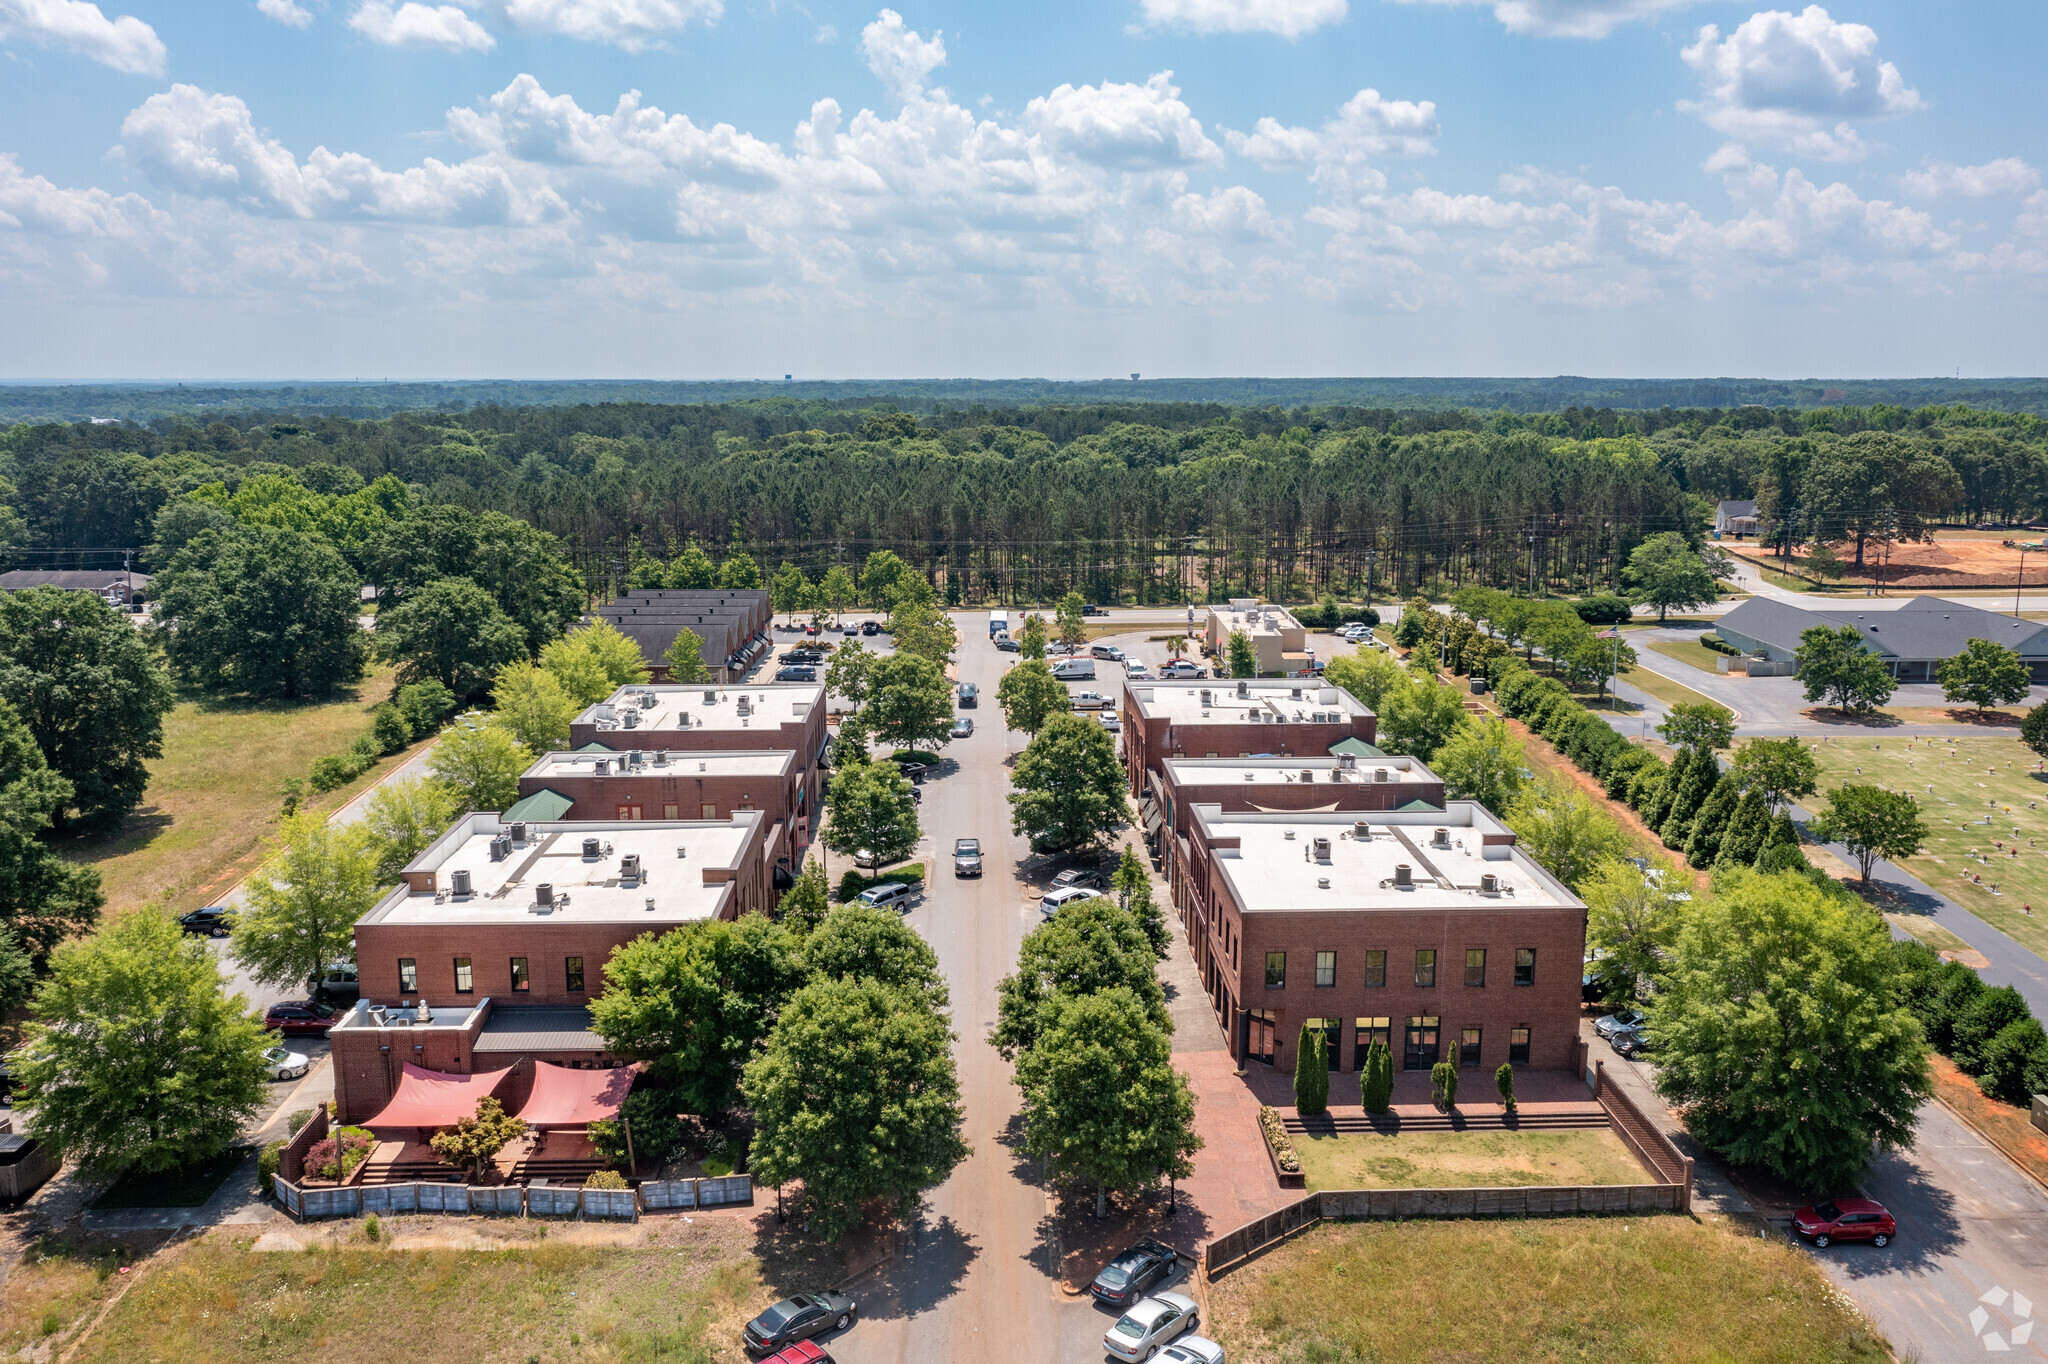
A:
<point x="680" y="1292"/>
<point x="1663" y="688"/>
<point x="215" y="794"/>
<point x="188" y="1186"/>
<point x="1964" y="857"/>
<point x="1687" y="651"/>
<point x="1660" y="1289"/>
<point x="1444" y="1160"/>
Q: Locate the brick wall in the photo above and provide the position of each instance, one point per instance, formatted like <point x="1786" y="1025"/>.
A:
<point x="291" y="1162"/>
<point x="368" y="1061"/>
<point x="678" y="791"/>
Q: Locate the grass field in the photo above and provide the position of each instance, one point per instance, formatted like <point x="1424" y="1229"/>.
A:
<point x="1964" y="858"/>
<point x="1444" y="1160"/>
<point x="680" y="1295"/>
<point x="214" y="795"/>
<point x="1687" y="651"/>
<point x="1659" y="1289"/>
<point x="1663" y="688"/>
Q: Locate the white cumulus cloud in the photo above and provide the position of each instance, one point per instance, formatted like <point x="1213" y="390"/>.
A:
<point x="1567" y="18"/>
<point x="285" y="12"/>
<point x="631" y="24"/>
<point x="1288" y="18"/>
<point x="415" y="25"/>
<point x="1124" y="127"/>
<point x="1340" y="152"/>
<point x="126" y="44"/>
<point x="526" y="123"/>
<point x="900" y="57"/>
<point x="2007" y="176"/>
<point x="1796" y="81"/>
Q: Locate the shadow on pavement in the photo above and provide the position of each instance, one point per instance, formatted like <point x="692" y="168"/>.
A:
<point x="930" y="1266"/>
<point x="1929" y="1229"/>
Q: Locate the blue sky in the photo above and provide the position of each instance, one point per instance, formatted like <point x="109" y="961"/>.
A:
<point x="338" y="188"/>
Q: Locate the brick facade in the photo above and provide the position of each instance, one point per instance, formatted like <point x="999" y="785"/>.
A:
<point x="678" y="791"/>
<point x="1149" y="741"/>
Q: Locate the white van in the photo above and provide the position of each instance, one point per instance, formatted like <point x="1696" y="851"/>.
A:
<point x="1074" y="670"/>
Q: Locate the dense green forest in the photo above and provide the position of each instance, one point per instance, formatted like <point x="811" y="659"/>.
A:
<point x="1139" y="502"/>
<point x="363" y="400"/>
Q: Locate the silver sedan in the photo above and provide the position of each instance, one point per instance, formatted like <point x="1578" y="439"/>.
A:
<point x="1140" y="1332"/>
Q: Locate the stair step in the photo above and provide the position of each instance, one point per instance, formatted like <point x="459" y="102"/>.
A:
<point x="1549" y="1122"/>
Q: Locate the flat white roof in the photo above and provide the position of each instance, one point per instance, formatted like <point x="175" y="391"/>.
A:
<point x="1255" y="620"/>
<point x="674" y="858"/>
<point x="701" y="706"/>
<point x="1276" y="865"/>
<point x="1288" y="771"/>
<point x="659" y="763"/>
<point x="1293" y="700"/>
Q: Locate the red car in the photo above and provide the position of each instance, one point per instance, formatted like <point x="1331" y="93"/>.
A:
<point x="299" y="1018"/>
<point x="1845" y="1219"/>
<point x="803" y="1352"/>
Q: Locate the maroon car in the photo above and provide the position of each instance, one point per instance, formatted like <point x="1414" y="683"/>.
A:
<point x="1845" y="1219"/>
<point x="299" y="1018"/>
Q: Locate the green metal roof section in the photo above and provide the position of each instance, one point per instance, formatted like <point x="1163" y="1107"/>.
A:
<point x="595" y="747"/>
<point x="1413" y="807"/>
<point x="542" y="807"/>
<point x="1355" y="748"/>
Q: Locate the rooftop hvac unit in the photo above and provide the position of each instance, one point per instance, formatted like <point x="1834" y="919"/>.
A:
<point x="604" y="767"/>
<point x="638" y="757"/>
<point x="501" y="848"/>
<point x="661" y="757"/>
<point x="648" y="700"/>
<point x="631" y="720"/>
<point x="1442" y="839"/>
<point x="1308" y="774"/>
<point x="544" y="895"/>
<point x="629" y="867"/>
<point x="1248" y="777"/>
<point x="1205" y="696"/>
<point x="711" y="696"/>
<point x="461" y="880"/>
<point x="518" y="832"/>
<point x="1294" y="693"/>
<point x="682" y="719"/>
<point x="1379" y="774"/>
<point x="745" y="708"/>
<point x="1322" y="850"/>
<point x="1489" y="884"/>
<point x="1404" y="875"/>
<point x="377" y="1012"/>
<point x="1361" y="830"/>
<point x="1244" y="689"/>
<point x="1348" y="763"/>
<point x="591" y="850"/>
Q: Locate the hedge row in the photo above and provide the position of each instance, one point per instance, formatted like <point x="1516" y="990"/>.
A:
<point x="1694" y="806"/>
<point x="1989" y="1032"/>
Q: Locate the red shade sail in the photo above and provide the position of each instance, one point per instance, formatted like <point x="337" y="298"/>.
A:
<point x="430" y="1098"/>
<point x="563" y="1097"/>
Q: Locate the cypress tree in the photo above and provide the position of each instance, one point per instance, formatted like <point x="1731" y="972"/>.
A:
<point x="1690" y="793"/>
<point x="1652" y="791"/>
<point x="1504" y="1081"/>
<point x="1443" y="1078"/>
<point x="1745" y="836"/>
<point x="1710" y="826"/>
<point x="1311" y="1073"/>
<point x="1376" y="1079"/>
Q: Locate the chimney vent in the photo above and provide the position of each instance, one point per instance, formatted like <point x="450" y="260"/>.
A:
<point x="1361" y="829"/>
<point x="1322" y="883"/>
<point x="711" y="696"/>
<point x="1379" y="774"/>
<point x="1308" y="774"/>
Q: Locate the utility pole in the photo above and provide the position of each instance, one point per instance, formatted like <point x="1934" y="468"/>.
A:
<point x="1532" y="565"/>
<point x="1370" y="556"/>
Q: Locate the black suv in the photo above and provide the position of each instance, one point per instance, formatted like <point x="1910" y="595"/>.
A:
<point x="1126" y="1279"/>
<point x="216" y="921"/>
<point x="868" y="627"/>
<point x="803" y="656"/>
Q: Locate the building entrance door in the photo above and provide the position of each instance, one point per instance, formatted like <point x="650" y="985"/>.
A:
<point x="1418" y="1051"/>
<point x="1259" y="1041"/>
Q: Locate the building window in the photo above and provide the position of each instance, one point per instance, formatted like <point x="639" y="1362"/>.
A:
<point x="1326" y="969"/>
<point x="710" y="811"/>
<point x="1425" y="968"/>
<point x="1376" y="970"/>
<point x="629" y="812"/>
<point x="1369" y="1031"/>
<point x="671" y="812"/>
<point x="1260" y="1036"/>
<point x="1418" y="1048"/>
<point x="1276" y="970"/>
<point x="1468" y="1047"/>
<point x="1332" y="1030"/>
<point x="1518" y="1046"/>
<point x="521" y="982"/>
<point x="463" y="983"/>
<point x="408" y="976"/>
<point x="1475" y="966"/>
<point x="1525" y="966"/>
<point x="572" y="967"/>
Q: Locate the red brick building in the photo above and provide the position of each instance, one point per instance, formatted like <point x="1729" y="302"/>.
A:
<point x="503" y="929"/>
<point x="1430" y="930"/>
<point x="695" y="718"/>
<point x="1237" y="719"/>
<point x="661" y="784"/>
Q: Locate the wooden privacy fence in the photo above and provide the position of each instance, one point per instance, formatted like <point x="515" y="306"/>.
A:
<point x="1535" y="1200"/>
<point x="514" y="1200"/>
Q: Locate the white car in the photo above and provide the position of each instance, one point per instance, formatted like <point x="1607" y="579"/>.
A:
<point x="1192" y="1350"/>
<point x="285" y="1064"/>
<point x="1140" y="1332"/>
<point x="1090" y="700"/>
<point x="1110" y="722"/>
<point x="1066" y="895"/>
<point x="1137" y="671"/>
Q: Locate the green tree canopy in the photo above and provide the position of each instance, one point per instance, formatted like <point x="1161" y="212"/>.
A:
<point x="1068" y="617"/>
<point x="805" y="904"/>
<point x="451" y="632"/>
<point x="696" y="1002"/>
<point x="1984" y="675"/>
<point x="1482" y="761"/>
<point x="872" y="810"/>
<point x="910" y="702"/>
<point x="738" y="572"/>
<point x="1244" y="660"/>
<point x="137" y="1054"/>
<point x="1068" y="786"/>
<point x="856" y="1095"/>
<point x="1420" y="716"/>
<point x="474" y="1141"/>
<point x="403" y="818"/>
<point x="1030" y="695"/>
<point x="480" y="763"/>
<point x="80" y="677"/>
<point x="1089" y="945"/>
<point x="1780" y="1029"/>
<point x="880" y="577"/>
<point x="786" y="588"/>
<point x="1031" y="638"/>
<point x="269" y="613"/>
<point x="301" y="906"/>
<point x="692" y="570"/>
<point x="1633" y="918"/>
<point x="685" y="657"/>
<point x="1698" y="724"/>
<point x="837" y="589"/>
<point x="1665" y="571"/>
<point x="1368" y="675"/>
<point x="1776" y="769"/>
<point x="533" y="707"/>
<point x="1872" y="823"/>
<point x="850" y="672"/>
<point x="1834" y="666"/>
<point x="1102" y="1100"/>
<point x="922" y="629"/>
<point x="861" y="942"/>
<point x="43" y="899"/>
<point x="1565" y="833"/>
<point x="519" y="567"/>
